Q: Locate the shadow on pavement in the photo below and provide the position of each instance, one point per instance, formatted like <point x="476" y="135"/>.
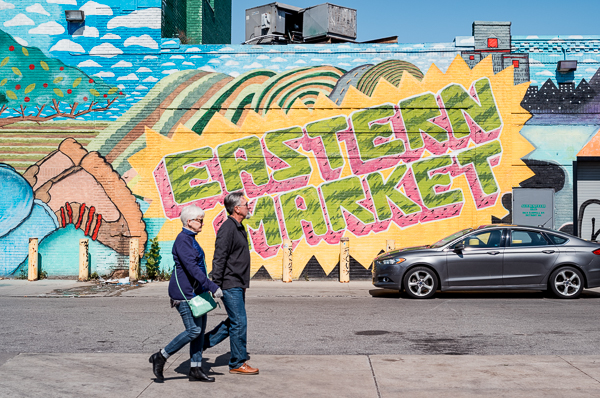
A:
<point x="496" y="294"/>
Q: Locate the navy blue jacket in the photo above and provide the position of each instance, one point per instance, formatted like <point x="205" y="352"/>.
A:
<point x="190" y="268"/>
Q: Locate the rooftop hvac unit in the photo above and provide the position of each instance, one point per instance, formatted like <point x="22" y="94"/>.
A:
<point x="329" y="20"/>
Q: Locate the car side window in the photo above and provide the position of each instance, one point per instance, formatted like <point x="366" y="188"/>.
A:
<point x="557" y="240"/>
<point x="483" y="240"/>
<point x="520" y="238"/>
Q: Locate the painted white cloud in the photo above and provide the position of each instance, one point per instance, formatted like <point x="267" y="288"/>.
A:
<point x="144" y="69"/>
<point x="48" y="28"/>
<point x="359" y="60"/>
<point x="110" y="36"/>
<point x="188" y="63"/>
<point x="590" y="70"/>
<point x="545" y="73"/>
<point x="300" y="61"/>
<point x="344" y="64"/>
<point x="325" y="51"/>
<point x="192" y="50"/>
<point x="262" y="57"/>
<point x="290" y="67"/>
<point x="141" y="88"/>
<point x="89" y="63"/>
<point x="105" y="50"/>
<point x="93" y="8"/>
<point x="225" y="56"/>
<point x="316" y="60"/>
<point x="67" y="45"/>
<point x="238" y="55"/>
<point x="234" y="74"/>
<point x="150" y="57"/>
<point x="214" y="61"/>
<point x="87" y="31"/>
<point x="279" y="59"/>
<point x="343" y="56"/>
<point x="231" y="63"/>
<point x="168" y="64"/>
<point x="142" y="41"/>
<point x="144" y="18"/>
<point x="226" y="49"/>
<point x="170" y="71"/>
<point x="206" y="68"/>
<point x="21" y="41"/>
<point x="150" y="79"/>
<point x="130" y="76"/>
<point x="9" y="6"/>
<point x="535" y="62"/>
<point x="196" y="56"/>
<point x="19" y="20"/>
<point x="575" y="37"/>
<point x="176" y="57"/>
<point x="253" y="65"/>
<point x="69" y="2"/>
<point x="122" y="64"/>
<point x="466" y="41"/>
<point x="36" y="8"/>
<point x="169" y="42"/>
<point x="532" y="37"/>
<point x="105" y="74"/>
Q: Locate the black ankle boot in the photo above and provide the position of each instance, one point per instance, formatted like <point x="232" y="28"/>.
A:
<point x="196" y="374"/>
<point x="158" y="363"/>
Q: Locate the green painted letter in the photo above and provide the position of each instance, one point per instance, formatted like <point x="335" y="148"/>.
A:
<point x="298" y="163"/>
<point x="366" y="131"/>
<point x="264" y="212"/>
<point x="181" y="173"/>
<point x="254" y="164"/>
<point x="479" y="157"/>
<point x="345" y="193"/>
<point x="427" y="183"/>
<point x="381" y="191"/>
<point x="416" y="113"/>
<point x="327" y="129"/>
<point x="293" y="216"/>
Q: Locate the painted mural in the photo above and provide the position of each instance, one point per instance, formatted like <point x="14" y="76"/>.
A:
<point x="107" y="132"/>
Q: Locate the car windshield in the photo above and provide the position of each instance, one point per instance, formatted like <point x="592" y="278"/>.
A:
<point x="450" y="238"/>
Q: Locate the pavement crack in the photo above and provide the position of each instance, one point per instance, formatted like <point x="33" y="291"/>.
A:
<point x="374" y="377"/>
<point x="591" y="377"/>
<point x="167" y="366"/>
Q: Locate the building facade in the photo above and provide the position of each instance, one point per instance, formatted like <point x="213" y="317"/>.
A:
<point x="108" y="130"/>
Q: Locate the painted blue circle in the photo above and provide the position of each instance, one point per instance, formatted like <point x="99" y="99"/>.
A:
<point x="16" y="199"/>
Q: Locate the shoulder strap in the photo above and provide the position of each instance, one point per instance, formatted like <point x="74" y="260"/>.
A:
<point x="177" y="280"/>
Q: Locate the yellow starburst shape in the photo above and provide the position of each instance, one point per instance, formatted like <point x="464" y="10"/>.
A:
<point x="509" y="172"/>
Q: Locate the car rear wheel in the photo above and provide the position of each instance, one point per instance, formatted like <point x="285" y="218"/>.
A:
<point x="420" y="283"/>
<point x="566" y="283"/>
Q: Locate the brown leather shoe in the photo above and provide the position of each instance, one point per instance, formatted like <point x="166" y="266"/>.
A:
<point x="245" y="369"/>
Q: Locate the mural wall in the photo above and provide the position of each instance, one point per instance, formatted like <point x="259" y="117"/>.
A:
<point x="107" y="131"/>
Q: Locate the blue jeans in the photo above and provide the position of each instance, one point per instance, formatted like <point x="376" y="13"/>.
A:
<point x="234" y="327"/>
<point x="194" y="334"/>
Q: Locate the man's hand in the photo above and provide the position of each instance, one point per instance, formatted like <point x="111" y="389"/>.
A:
<point x="218" y="294"/>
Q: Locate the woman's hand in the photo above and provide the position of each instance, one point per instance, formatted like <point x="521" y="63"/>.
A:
<point x="218" y="294"/>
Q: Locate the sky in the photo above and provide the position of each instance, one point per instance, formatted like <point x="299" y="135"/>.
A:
<point x="441" y="20"/>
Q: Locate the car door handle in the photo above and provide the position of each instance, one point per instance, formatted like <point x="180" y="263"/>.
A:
<point x="493" y="253"/>
<point x="548" y="251"/>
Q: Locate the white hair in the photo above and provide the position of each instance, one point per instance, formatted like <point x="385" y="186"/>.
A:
<point x="189" y="213"/>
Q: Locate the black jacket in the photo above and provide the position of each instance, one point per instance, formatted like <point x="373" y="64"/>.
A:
<point x="231" y="262"/>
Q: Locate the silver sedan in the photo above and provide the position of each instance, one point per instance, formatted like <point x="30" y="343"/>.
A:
<point x="493" y="257"/>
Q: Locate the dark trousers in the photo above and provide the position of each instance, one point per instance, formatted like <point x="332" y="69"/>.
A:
<point x="235" y="327"/>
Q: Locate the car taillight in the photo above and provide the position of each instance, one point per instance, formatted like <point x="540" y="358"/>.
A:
<point x="596" y="252"/>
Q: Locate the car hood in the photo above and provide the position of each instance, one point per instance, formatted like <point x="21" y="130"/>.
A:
<point x="394" y="253"/>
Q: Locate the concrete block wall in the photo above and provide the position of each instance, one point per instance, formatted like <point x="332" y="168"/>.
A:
<point x="409" y="142"/>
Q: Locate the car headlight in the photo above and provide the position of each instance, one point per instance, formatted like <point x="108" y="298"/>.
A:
<point x="392" y="261"/>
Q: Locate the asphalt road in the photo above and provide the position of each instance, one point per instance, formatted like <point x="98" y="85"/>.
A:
<point x="315" y="321"/>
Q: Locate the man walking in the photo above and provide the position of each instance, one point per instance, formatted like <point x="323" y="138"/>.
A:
<point x="231" y="272"/>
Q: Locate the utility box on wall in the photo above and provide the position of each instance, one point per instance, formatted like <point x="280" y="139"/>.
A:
<point x="533" y="207"/>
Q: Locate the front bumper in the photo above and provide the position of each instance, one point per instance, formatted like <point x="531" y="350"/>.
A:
<point x="386" y="276"/>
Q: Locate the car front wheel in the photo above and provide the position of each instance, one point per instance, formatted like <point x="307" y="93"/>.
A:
<point x="566" y="283"/>
<point x="420" y="283"/>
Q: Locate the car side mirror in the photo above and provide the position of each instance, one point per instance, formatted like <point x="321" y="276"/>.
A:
<point x="459" y="247"/>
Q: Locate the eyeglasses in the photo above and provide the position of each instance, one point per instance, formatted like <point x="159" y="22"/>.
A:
<point x="200" y="220"/>
<point x="244" y="205"/>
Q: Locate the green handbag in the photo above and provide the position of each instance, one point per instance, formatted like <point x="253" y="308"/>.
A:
<point x="200" y="304"/>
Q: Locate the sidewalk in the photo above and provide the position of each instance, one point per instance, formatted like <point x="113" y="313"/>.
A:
<point x="130" y="375"/>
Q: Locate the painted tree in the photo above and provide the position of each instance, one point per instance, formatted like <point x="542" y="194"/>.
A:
<point x="31" y="82"/>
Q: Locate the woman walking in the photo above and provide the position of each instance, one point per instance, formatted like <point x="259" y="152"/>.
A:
<point x="189" y="278"/>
